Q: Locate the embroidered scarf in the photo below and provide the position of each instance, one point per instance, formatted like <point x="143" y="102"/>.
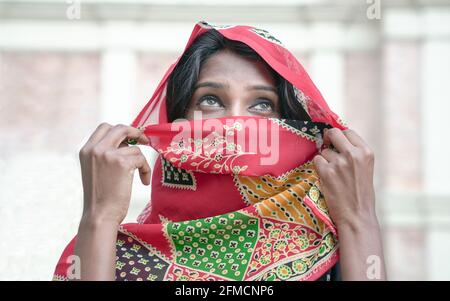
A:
<point x="234" y="198"/>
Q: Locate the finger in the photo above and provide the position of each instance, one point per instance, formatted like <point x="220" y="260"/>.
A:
<point x="338" y="139"/>
<point x="130" y="142"/>
<point x="329" y="155"/>
<point x="143" y="139"/>
<point x="123" y="144"/>
<point x="354" y="138"/>
<point x="99" y="133"/>
<point x="119" y="133"/>
<point x="142" y="165"/>
<point x="320" y="163"/>
<point x="129" y="151"/>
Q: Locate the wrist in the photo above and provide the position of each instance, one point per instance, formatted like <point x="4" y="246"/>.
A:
<point x="366" y="222"/>
<point x="96" y="213"/>
<point x="96" y="220"/>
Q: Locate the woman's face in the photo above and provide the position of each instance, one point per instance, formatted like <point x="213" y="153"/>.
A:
<point x="232" y="85"/>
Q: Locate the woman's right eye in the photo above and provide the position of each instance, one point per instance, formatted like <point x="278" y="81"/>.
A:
<point x="209" y="101"/>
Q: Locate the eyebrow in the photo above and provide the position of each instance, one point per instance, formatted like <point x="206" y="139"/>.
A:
<point x="217" y="85"/>
<point x="262" y="87"/>
<point x="214" y="85"/>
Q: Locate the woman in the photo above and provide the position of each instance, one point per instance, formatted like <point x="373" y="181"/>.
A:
<point x="217" y="211"/>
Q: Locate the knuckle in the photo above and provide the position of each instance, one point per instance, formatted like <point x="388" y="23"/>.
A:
<point x="83" y="152"/>
<point x="141" y="155"/>
<point x="329" y="173"/>
<point x="349" y="154"/>
<point x="368" y="153"/>
<point x="342" y="163"/>
<point x="317" y="160"/>
<point x="122" y="161"/>
<point x="103" y="125"/>
<point x="109" y="156"/>
<point x="120" y="126"/>
<point x="97" y="151"/>
<point x="136" y="150"/>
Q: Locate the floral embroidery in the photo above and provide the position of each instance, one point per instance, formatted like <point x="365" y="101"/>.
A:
<point x="214" y="154"/>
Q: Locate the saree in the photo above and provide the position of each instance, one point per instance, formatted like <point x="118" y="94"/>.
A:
<point x="233" y="198"/>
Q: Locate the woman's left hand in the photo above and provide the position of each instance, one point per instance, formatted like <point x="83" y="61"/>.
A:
<point x="346" y="177"/>
<point x="346" y="180"/>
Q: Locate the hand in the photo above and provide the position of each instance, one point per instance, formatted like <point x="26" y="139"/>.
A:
<point x="346" y="177"/>
<point x="107" y="168"/>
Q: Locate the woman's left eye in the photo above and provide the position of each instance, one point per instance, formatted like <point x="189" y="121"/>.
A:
<point x="263" y="106"/>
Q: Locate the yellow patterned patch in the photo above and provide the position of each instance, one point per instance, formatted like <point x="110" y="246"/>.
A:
<point x="281" y="198"/>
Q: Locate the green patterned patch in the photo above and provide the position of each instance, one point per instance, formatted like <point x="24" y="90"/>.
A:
<point x="220" y="245"/>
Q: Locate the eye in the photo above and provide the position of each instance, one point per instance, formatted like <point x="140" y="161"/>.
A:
<point x="264" y="105"/>
<point x="210" y="101"/>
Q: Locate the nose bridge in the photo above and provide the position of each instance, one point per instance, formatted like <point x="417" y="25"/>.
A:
<point x="237" y="106"/>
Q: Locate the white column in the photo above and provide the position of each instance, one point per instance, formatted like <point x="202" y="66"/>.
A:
<point x="435" y="107"/>
<point x="118" y="85"/>
<point x="327" y="71"/>
<point x="326" y="66"/>
<point x="2" y="76"/>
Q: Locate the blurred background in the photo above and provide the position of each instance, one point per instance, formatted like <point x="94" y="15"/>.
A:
<point x="66" y="66"/>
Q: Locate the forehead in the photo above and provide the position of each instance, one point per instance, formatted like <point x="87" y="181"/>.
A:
<point x="231" y="67"/>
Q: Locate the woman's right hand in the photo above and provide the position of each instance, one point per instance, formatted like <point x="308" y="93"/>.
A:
<point x="107" y="168"/>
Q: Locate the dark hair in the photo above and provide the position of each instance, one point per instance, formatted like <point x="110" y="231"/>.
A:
<point x="182" y="80"/>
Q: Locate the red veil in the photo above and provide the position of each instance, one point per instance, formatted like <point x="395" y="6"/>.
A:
<point x="219" y="209"/>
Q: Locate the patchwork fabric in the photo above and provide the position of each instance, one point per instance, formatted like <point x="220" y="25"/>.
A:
<point x="235" y="246"/>
<point x="221" y="245"/>
<point x="174" y="177"/>
<point x="282" y="231"/>
<point x="287" y="196"/>
<point x="134" y="261"/>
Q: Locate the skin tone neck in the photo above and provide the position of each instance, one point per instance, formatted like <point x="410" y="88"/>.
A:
<point x="232" y="85"/>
